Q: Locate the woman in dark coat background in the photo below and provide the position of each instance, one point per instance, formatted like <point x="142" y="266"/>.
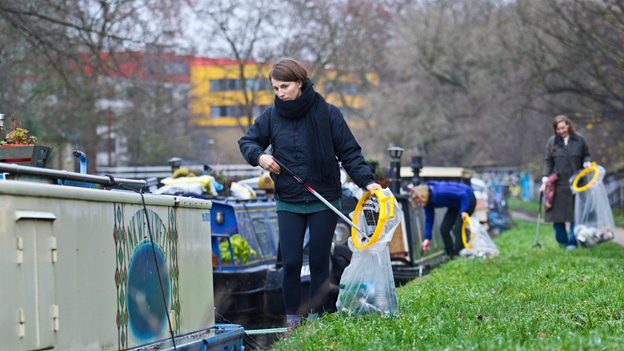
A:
<point x="309" y="136"/>
<point x="566" y="153"/>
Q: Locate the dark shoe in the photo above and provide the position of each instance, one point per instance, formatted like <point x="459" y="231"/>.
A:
<point x="292" y="322"/>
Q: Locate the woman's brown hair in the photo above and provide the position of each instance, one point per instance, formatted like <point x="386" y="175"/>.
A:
<point x="289" y="70"/>
<point x="558" y="119"/>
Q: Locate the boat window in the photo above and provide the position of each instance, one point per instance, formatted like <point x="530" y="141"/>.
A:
<point x="262" y="236"/>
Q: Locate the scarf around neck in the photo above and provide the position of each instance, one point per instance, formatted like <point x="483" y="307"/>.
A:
<point x="313" y="107"/>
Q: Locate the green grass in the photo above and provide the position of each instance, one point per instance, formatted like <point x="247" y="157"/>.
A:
<point x="528" y="207"/>
<point x="525" y="299"/>
<point x="531" y="207"/>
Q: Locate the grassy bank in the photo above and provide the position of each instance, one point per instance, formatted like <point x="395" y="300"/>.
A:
<point x="530" y="208"/>
<point x="524" y="299"/>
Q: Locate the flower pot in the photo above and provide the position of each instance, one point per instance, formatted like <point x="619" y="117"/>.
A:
<point x="26" y="155"/>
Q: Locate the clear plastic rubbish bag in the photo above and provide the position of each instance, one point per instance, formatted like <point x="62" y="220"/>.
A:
<point x="593" y="219"/>
<point x="367" y="284"/>
<point x="482" y="244"/>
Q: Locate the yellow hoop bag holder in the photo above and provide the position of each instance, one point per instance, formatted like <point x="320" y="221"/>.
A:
<point x="467" y="223"/>
<point x="480" y="243"/>
<point x="580" y="176"/>
<point x="371" y="217"/>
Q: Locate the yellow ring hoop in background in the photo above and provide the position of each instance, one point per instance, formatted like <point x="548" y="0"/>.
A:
<point x="593" y="168"/>
<point x="465" y="223"/>
<point x="386" y="211"/>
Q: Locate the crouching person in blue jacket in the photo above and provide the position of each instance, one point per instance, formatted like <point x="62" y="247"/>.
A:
<point x="460" y="201"/>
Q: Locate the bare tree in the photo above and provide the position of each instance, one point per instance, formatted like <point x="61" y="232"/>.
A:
<point x="344" y="44"/>
<point x="80" y="41"/>
<point x="243" y="31"/>
<point x="457" y="92"/>
<point x="579" y="50"/>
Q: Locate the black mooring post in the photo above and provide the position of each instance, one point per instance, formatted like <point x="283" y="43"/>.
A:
<point x="417" y="165"/>
<point x="395" y="169"/>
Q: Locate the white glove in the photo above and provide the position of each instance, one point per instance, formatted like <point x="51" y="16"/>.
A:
<point x="587" y="164"/>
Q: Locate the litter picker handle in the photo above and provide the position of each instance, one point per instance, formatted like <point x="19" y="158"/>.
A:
<point x="323" y="200"/>
<point x="282" y="166"/>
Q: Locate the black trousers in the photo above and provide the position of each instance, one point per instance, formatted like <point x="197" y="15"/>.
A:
<point x="452" y="220"/>
<point x="292" y="228"/>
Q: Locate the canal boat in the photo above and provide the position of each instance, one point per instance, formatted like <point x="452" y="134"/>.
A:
<point x="104" y="267"/>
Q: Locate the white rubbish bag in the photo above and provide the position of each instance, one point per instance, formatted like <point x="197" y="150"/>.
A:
<point x="242" y="191"/>
<point x="191" y="185"/>
<point x="593" y="219"/>
<point x="482" y="244"/>
<point x="367" y="284"/>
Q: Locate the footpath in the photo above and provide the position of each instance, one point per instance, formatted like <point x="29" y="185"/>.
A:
<point x="619" y="232"/>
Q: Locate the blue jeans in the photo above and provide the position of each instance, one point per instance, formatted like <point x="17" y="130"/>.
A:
<point x="562" y="236"/>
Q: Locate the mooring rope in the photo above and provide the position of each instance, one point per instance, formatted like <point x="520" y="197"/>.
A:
<point x="266" y="331"/>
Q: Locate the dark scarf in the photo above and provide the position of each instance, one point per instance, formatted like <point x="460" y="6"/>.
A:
<point x="559" y="141"/>
<point x="311" y="106"/>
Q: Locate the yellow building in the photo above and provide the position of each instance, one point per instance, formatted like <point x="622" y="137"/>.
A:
<point x="222" y="107"/>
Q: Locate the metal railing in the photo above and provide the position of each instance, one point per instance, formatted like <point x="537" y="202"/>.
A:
<point x="616" y="198"/>
<point x="18" y="170"/>
<point x="230" y="171"/>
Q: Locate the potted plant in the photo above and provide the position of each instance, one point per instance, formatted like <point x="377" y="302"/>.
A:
<point x="17" y="136"/>
<point x="21" y="148"/>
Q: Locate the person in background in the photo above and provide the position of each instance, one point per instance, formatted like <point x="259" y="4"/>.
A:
<point x="460" y="201"/>
<point x="310" y="137"/>
<point x="566" y="153"/>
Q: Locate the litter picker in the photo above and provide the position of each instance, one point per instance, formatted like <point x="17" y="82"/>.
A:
<point x="422" y="252"/>
<point x="318" y="196"/>
<point x="539" y="217"/>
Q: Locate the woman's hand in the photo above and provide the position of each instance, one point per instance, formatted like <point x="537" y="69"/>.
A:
<point x="465" y="216"/>
<point x="425" y="245"/>
<point x="372" y="187"/>
<point x="542" y="188"/>
<point x="587" y="164"/>
<point x="267" y="162"/>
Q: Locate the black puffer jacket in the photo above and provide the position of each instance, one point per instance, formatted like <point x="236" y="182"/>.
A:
<point x="289" y="143"/>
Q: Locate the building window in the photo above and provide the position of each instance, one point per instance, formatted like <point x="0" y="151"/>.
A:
<point x="235" y="111"/>
<point x="227" y="111"/>
<point x="253" y="84"/>
<point x="176" y="69"/>
<point x="103" y="144"/>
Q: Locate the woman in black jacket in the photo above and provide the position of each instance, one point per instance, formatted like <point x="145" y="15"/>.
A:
<point x="310" y="137"/>
<point x="566" y="153"/>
